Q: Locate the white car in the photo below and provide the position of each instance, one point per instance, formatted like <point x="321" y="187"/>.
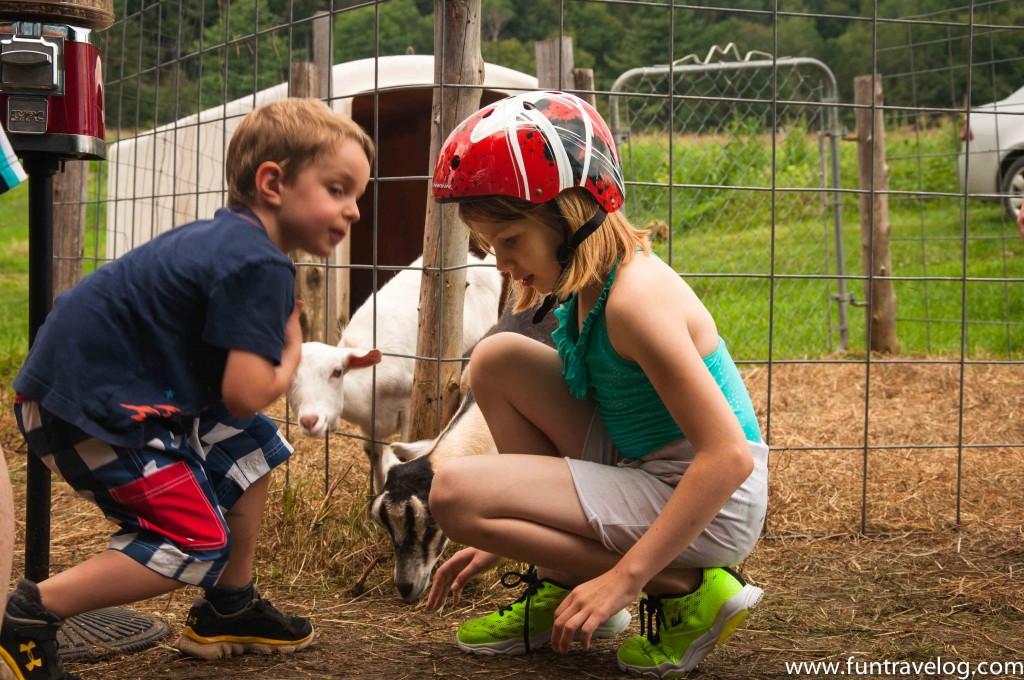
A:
<point x="993" y="135"/>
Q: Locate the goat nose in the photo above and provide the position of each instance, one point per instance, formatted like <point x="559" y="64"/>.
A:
<point x="308" y="422"/>
<point x="404" y="588"/>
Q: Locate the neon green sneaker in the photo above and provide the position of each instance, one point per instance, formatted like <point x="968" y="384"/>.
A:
<point x="525" y="624"/>
<point x="682" y="630"/>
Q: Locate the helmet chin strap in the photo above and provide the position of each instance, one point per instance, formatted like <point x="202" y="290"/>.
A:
<point x="564" y="255"/>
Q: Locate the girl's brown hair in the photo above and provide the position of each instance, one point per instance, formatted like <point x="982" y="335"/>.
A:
<point x="615" y="239"/>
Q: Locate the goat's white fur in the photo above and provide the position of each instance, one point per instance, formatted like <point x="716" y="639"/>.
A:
<point x="466" y="436"/>
<point x="328" y="386"/>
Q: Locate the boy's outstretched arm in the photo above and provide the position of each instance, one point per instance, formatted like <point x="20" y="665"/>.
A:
<point x="252" y="382"/>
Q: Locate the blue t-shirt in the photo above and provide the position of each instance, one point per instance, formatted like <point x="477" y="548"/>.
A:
<point x="141" y="344"/>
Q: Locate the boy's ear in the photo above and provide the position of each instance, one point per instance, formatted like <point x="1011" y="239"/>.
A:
<point x="269" y="180"/>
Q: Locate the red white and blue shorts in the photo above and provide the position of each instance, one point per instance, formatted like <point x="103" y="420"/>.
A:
<point x="169" y="497"/>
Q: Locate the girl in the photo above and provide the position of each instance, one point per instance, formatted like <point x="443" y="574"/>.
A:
<point x="598" y="485"/>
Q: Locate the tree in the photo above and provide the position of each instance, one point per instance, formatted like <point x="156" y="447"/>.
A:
<point x="494" y="17"/>
<point x="386" y="29"/>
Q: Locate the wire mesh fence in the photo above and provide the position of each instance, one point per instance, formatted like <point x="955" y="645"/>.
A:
<point x="738" y="166"/>
<point x="712" y="146"/>
<point x="938" y="71"/>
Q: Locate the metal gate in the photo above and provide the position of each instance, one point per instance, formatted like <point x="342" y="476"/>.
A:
<point x="734" y="166"/>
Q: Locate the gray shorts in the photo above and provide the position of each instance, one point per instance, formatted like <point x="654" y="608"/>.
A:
<point x="622" y="497"/>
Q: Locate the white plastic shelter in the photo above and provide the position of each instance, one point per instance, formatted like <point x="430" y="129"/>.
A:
<point x="175" y="174"/>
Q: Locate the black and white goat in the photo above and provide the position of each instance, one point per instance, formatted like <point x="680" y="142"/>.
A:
<point x="402" y="507"/>
<point x="328" y="384"/>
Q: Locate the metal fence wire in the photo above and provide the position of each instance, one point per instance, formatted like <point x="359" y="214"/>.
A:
<point x="735" y="159"/>
<point x="933" y="56"/>
<point x="710" y="145"/>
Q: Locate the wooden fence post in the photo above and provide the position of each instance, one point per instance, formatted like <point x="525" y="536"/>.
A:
<point x="555" y="64"/>
<point x="310" y="283"/>
<point x="873" y="179"/>
<point x="556" y="69"/>
<point x="584" y="80"/>
<point x="458" y="62"/>
<point x="338" y="284"/>
<point x="69" y="196"/>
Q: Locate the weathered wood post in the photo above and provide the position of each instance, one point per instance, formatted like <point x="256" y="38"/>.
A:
<point x="457" y="64"/>
<point x="873" y="179"/>
<point x="338" y="273"/>
<point x="555" y="63"/>
<point x="556" y="69"/>
<point x="584" y="79"/>
<point x="69" y="196"/>
<point x="310" y="270"/>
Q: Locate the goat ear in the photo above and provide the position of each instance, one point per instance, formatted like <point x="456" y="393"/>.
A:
<point x="363" y="358"/>
<point x="388" y="460"/>
<point x="406" y="451"/>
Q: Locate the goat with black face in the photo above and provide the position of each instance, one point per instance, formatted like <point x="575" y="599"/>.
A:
<point x="402" y="508"/>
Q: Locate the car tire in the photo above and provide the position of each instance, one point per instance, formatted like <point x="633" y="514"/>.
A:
<point x="1012" y="187"/>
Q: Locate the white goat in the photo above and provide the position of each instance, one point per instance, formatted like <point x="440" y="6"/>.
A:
<point x="328" y="386"/>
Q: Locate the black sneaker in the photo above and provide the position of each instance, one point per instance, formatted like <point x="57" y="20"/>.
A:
<point x="259" y="627"/>
<point x="28" y="647"/>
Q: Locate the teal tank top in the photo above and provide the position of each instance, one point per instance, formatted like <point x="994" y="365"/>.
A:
<point x="633" y="413"/>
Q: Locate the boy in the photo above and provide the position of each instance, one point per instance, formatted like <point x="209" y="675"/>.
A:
<point x="142" y="389"/>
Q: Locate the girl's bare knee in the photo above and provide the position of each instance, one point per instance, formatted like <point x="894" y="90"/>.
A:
<point x="487" y="358"/>
<point x="501" y="354"/>
<point x="447" y="499"/>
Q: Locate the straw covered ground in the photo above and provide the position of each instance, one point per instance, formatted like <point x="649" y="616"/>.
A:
<point x="871" y="566"/>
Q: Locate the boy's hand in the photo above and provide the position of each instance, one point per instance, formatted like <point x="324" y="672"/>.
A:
<point x="251" y="382"/>
<point x="292" y="351"/>
<point x="456" y="572"/>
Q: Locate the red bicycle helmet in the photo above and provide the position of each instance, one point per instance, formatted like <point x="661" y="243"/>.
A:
<point x="531" y="146"/>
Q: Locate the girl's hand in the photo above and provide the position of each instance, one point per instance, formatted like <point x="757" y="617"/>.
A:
<point x="455" y="573"/>
<point x="588" y="606"/>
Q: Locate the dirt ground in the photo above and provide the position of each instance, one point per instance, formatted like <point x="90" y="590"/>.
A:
<point x="914" y="598"/>
<point x="871" y="566"/>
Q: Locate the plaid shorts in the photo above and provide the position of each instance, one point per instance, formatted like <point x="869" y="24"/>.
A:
<point x="169" y="497"/>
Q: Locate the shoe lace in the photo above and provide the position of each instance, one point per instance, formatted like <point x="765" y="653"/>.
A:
<point x="652" y="613"/>
<point x="265" y="608"/>
<point x="512" y="579"/>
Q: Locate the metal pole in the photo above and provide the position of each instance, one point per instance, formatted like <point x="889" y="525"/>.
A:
<point x="842" y="297"/>
<point x="40" y="169"/>
<point x="677" y="69"/>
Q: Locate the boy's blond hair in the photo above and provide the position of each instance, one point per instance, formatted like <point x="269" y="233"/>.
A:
<point x="615" y="239"/>
<point x="291" y="132"/>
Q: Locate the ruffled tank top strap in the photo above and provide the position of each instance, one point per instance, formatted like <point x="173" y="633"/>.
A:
<point x="573" y="348"/>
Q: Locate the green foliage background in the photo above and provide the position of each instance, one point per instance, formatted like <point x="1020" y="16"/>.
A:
<point x="166" y="60"/>
<point x="169" y="59"/>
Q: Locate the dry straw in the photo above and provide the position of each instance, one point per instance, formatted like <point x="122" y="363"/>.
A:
<point x="915" y="587"/>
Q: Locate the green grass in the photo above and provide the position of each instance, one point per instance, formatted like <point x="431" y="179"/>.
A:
<point x="724" y="242"/>
<point x="14" y="249"/>
<point x="13" y="280"/>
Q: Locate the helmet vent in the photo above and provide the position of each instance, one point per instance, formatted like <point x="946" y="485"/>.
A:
<point x="455" y="162"/>
<point x="529" y="106"/>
